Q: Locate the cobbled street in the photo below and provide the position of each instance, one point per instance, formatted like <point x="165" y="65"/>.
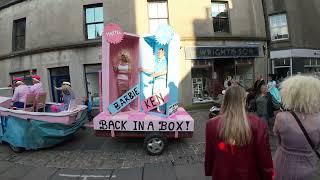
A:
<point x="87" y="157"/>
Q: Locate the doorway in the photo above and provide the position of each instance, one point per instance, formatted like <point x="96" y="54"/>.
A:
<point x="57" y="77"/>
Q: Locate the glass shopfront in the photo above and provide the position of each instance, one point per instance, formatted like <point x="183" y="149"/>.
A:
<point x="208" y="76"/>
<point x="211" y="65"/>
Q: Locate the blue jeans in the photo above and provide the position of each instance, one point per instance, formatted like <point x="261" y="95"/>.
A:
<point x="18" y="104"/>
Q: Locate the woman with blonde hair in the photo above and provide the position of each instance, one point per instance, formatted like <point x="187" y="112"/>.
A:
<point x="68" y="95"/>
<point x="237" y="144"/>
<point x="295" y="158"/>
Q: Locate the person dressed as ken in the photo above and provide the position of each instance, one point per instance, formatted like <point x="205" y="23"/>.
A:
<point x="159" y="74"/>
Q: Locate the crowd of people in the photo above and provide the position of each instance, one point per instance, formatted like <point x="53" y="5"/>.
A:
<point x="21" y="90"/>
<point x="237" y="141"/>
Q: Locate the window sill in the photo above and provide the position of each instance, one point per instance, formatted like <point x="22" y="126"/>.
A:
<point x="280" y="41"/>
<point x="222" y="34"/>
<point x="94" y="40"/>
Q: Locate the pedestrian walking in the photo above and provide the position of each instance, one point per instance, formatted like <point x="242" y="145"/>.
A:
<point x="237" y="144"/>
<point x="295" y="158"/>
<point x="263" y="103"/>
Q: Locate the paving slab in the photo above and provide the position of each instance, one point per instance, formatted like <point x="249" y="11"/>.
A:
<point x="159" y="171"/>
<point x="4" y="165"/>
<point x="191" y="172"/>
<point x="17" y="171"/>
<point x="126" y="174"/>
<point x="40" y="173"/>
<point x="7" y="178"/>
<point x="67" y="174"/>
<point x="99" y="174"/>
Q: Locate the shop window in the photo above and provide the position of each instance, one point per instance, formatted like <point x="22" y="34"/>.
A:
<point x="93" y="21"/>
<point x="312" y="66"/>
<point x="158" y="14"/>
<point x="19" y="34"/>
<point x="220" y="16"/>
<point x="312" y="62"/>
<point x="201" y="82"/>
<point x="57" y="77"/>
<point x="278" y="27"/>
<point x="92" y="82"/>
<point x="282" y="67"/>
<point x="282" y="62"/>
<point x="26" y="75"/>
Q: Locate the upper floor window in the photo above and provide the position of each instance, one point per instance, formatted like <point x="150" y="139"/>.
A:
<point x="220" y="16"/>
<point x="278" y="27"/>
<point x="19" y="34"/>
<point x="158" y="14"/>
<point x="93" y="21"/>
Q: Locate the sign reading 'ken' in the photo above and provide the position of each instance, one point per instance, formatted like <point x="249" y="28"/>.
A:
<point x="124" y="100"/>
<point x="154" y="102"/>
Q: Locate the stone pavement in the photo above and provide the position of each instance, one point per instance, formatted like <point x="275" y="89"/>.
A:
<point x="87" y="157"/>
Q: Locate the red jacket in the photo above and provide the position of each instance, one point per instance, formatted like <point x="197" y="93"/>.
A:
<point x="228" y="162"/>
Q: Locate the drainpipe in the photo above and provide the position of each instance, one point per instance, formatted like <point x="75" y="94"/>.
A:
<point x="266" y="22"/>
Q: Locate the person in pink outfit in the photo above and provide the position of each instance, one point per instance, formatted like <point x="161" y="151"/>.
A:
<point x="123" y="70"/>
<point x="37" y="85"/>
<point x="20" y="93"/>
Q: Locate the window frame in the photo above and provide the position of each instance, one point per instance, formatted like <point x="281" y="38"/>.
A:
<point x="157" y="2"/>
<point x="26" y="74"/>
<point x="85" y="24"/>
<point x="86" y="78"/>
<point x="15" y="36"/>
<point x="287" y="25"/>
<point x="228" y="18"/>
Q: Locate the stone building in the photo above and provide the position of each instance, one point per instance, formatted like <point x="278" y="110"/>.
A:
<point x="60" y="40"/>
<point x="294" y="36"/>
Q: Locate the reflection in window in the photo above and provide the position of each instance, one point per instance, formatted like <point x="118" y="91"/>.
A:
<point x="158" y="14"/>
<point x="220" y="16"/>
<point x="278" y="27"/>
<point x="94" y="21"/>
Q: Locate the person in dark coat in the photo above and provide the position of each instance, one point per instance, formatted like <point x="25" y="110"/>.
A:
<point x="237" y="144"/>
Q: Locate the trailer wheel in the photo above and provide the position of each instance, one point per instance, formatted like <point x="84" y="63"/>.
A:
<point x="16" y="149"/>
<point x="155" y="143"/>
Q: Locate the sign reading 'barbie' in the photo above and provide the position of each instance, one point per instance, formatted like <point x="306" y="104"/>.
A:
<point x="124" y="100"/>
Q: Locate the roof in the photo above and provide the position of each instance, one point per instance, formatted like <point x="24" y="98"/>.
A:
<point x="8" y="3"/>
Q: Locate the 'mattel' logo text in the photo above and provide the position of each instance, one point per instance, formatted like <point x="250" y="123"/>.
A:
<point x="113" y="33"/>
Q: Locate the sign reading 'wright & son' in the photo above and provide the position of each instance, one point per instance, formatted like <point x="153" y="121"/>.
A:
<point x="203" y="52"/>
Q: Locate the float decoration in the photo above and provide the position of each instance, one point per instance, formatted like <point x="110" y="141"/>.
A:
<point x="164" y="34"/>
<point x="113" y="33"/>
<point x="152" y="64"/>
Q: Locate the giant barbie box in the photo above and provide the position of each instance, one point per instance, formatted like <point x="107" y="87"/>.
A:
<point x="140" y="80"/>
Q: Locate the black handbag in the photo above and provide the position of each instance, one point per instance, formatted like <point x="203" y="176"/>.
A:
<point x="305" y="133"/>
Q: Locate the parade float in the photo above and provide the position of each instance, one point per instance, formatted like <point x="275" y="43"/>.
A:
<point x="139" y="88"/>
<point x="26" y="129"/>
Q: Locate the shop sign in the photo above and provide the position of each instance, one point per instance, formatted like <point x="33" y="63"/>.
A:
<point x="209" y="52"/>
